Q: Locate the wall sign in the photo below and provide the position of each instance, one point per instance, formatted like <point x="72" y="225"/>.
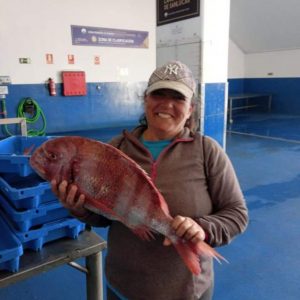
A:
<point x="97" y="60"/>
<point x="168" y="11"/>
<point x="71" y="59"/>
<point x="108" y="37"/>
<point x="49" y="58"/>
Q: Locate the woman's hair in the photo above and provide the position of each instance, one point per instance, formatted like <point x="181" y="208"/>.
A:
<point x="191" y="123"/>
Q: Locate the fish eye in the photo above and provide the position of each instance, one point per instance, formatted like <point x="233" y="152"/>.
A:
<point x="52" y="155"/>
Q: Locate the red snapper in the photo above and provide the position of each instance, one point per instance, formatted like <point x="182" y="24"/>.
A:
<point x="116" y="187"/>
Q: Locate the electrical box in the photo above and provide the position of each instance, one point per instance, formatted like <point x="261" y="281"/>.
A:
<point x="3" y="90"/>
<point x="4" y="80"/>
<point x="74" y="83"/>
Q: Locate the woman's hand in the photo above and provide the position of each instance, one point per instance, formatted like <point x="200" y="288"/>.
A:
<point x="67" y="196"/>
<point x="186" y="228"/>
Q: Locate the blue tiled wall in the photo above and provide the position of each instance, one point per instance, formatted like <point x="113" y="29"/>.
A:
<point x="214" y="111"/>
<point x="106" y="109"/>
<point x="105" y="105"/>
<point x="236" y="86"/>
<point x="286" y="92"/>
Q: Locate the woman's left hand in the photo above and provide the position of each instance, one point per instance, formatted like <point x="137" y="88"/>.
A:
<point x="186" y="228"/>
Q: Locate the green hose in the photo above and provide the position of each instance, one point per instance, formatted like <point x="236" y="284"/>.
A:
<point x="36" y="114"/>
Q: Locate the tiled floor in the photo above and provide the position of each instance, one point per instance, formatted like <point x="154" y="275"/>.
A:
<point x="267" y="125"/>
<point x="264" y="261"/>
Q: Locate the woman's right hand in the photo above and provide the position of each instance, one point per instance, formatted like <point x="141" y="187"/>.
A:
<point x="67" y="196"/>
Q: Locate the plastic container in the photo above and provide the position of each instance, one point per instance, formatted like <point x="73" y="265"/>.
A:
<point x="15" y="153"/>
<point x="10" y="248"/>
<point x="26" y="192"/>
<point x="36" y="238"/>
<point x="23" y="220"/>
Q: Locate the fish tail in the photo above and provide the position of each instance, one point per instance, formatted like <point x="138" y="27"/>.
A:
<point x="190" y="258"/>
<point x="202" y="248"/>
<point x="190" y="253"/>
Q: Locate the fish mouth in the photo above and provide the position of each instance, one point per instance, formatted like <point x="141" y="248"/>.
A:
<point x="36" y="162"/>
<point x="37" y="167"/>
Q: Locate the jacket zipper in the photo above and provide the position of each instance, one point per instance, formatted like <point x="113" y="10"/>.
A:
<point x="155" y="163"/>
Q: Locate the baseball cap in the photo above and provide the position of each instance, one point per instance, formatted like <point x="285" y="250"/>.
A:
<point x="173" y="75"/>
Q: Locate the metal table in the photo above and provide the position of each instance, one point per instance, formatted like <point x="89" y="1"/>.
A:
<point x="64" y="251"/>
<point x="234" y="97"/>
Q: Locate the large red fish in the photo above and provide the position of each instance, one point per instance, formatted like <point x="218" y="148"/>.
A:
<point x="116" y="187"/>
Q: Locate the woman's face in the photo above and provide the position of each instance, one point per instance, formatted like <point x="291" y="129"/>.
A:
<point x="166" y="113"/>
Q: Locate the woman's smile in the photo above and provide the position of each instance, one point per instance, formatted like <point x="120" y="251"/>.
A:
<point x="164" y="115"/>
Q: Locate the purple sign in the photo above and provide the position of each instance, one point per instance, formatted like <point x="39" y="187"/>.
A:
<point x="108" y="37"/>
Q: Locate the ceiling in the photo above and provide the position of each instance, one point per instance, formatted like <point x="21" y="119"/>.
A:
<point x="265" y="25"/>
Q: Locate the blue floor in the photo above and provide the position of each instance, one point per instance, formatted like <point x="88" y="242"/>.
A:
<point x="267" y="125"/>
<point x="264" y="261"/>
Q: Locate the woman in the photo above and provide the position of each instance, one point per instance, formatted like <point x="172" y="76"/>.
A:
<point x="197" y="181"/>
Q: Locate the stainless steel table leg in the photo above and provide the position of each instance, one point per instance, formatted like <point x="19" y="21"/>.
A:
<point x="94" y="277"/>
<point x="270" y="103"/>
<point x="230" y="111"/>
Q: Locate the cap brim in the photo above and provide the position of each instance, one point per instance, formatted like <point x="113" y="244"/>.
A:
<point x="172" y="85"/>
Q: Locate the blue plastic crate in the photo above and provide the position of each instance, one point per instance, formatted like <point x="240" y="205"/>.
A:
<point x="23" y="220"/>
<point x="36" y="238"/>
<point x="10" y="248"/>
<point x="15" y="153"/>
<point x="26" y="192"/>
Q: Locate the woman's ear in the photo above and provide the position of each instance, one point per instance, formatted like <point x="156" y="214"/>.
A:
<point x="192" y="108"/>
<point x="145" y="101"/>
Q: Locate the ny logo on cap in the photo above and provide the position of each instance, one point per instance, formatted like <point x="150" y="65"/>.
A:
<point x="172" y="69"/>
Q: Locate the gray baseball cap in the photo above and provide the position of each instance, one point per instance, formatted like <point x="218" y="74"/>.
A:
<point x="173" y="75"/>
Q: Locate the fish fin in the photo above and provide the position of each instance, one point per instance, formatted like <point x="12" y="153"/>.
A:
<point x="163" y="204"/>
<point x="28" y="150"/>
<point x="190" y="258"/>
<point x="143" y="233"/>
<point x="190" y="253"/>
<point x="202" y="248"/>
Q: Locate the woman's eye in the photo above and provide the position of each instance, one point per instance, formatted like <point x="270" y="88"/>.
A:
<point x="180" y="99"/>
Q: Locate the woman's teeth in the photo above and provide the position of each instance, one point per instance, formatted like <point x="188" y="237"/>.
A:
<point x="164" y="116"/>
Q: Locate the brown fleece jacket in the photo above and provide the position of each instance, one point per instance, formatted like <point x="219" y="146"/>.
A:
<point x="197" y="180"/>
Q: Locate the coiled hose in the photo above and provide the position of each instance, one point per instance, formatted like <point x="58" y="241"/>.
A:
<point x="31" y="117"/>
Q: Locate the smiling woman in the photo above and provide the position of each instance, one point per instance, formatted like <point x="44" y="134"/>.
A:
<point x="198" y="183"/>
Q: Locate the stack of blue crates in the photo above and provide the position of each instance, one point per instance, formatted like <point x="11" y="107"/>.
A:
<point x="30" y="215"/>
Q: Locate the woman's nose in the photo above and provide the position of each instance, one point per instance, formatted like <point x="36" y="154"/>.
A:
<point x="168" y="102"/>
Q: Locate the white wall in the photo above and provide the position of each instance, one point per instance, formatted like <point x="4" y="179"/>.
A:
<point x="215" y="35"/>
<point x="33" y="28"/>
<point x="236" y="61"/>
<point x="180" y="41"/>
<point x="180" y="31"/>
<point x="212" y="28"/>
<point x="262" y="65"/>
<point x="278" y="63"/>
